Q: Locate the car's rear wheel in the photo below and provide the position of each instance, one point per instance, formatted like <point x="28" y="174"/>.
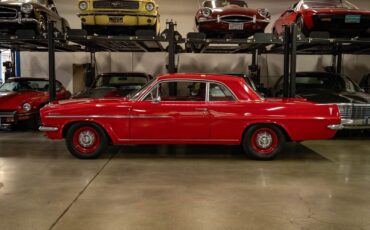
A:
<point x="263" y="142"/>
<point x="86" y="140"/>
<point x="301" y="27"/>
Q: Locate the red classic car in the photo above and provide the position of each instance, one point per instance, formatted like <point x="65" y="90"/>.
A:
<point x="22" y="98"/>
<point x="114" y="85"/>
<point x="189" y="109"/>
<point x="338" y="17"/>
<point x="231" y="18"/>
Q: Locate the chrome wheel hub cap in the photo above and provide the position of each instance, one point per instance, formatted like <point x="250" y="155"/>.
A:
<point x="264" y="140"/>
<point x="86" y="139"/>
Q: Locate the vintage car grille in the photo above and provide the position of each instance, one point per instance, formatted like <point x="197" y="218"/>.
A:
<point x="129" y="5"/>
<point x="237" y="19"/>
<point x="7" y="13"/>
<point x="355" y="112"/>
<point x="7" y="113"/>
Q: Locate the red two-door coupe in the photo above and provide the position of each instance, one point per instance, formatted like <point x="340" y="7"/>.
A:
<point x="22" y="98"/>
<point x="189" y="109"/>
<point x="338" y="17"/>
<point x="230" y="18"/>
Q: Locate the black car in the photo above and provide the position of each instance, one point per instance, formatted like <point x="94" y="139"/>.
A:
<point x="115" y="85"/>
<point x="331" y="88"/>
<point x="365" y="83"/>
<point x="20" y="15"/>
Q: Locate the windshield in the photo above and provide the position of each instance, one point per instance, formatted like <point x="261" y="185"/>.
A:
<point x="329" y="4"/>
<point x="223" y="3"/>
<point x="15" y="86"/>
<point x="326" y="82"/>
<point x="120" y="80"/>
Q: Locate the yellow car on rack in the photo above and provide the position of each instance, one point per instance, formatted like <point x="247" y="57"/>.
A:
<point x="117" y="17"/>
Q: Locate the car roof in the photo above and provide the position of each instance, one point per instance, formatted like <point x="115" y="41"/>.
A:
<point x="123" y="74"/>
<point x="196" y="76"/>
<point x="27" y="79"/>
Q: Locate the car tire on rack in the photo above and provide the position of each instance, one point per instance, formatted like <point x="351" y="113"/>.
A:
<point x="86" y="140"/>
<point x="263" y="142"/>
<point x="301" y="27"/>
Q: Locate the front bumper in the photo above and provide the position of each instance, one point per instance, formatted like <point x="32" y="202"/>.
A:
<point x="18" y="20"/>
<point x="118" y="19"/>
<point x="48" y="129"/>
<point x="356" y="124"/>
<point x="220" y="25"/>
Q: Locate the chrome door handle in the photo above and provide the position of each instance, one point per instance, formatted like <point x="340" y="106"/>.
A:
<point x="201" y="109"/>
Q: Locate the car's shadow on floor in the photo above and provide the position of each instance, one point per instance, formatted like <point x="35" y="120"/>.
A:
<point x="292" y="151"/>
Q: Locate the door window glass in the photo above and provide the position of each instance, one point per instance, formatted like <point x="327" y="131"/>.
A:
<point x="219" y="92"/>
<point x="179" y="91"/>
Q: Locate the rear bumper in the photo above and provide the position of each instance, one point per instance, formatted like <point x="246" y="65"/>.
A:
<point x="336" y="24"/>
<point x="13" y="118"/>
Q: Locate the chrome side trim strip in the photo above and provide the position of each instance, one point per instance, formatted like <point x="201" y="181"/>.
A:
<point x="107" y="116"/>
<point x="48" y="129"/>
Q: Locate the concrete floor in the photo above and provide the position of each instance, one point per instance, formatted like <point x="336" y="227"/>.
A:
<point x="317" y="185"/>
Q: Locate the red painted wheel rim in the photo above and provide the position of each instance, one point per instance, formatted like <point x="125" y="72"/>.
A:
<point x="264" y="141"/>
<point x="86" y="140"/>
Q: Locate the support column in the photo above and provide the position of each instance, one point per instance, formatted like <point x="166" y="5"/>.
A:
<point x="52" y="78"/>
<point x="339" y="63"/>
<point x="293" y="61"/>
<point x="286" y="61"/>
<point x="171" y="47"/>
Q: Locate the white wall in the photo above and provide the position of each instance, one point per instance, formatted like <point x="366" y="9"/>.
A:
<point x="183" y="11"/>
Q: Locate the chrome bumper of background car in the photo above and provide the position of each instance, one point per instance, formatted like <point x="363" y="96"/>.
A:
<point x="48" y="129"/>
<point x="116" y="14"/>
<point x="356" y="124"/>
<point x="219" y="20"/>
<point x="19" y="20"/>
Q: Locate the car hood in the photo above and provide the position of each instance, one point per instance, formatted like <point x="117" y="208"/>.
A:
<point x="11" y="100"/>
<point x="234" y="10"/>
<point x="329" y="97"/>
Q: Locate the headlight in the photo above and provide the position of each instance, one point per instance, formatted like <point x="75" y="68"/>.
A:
<point x="149" y="6"/>
<point x="83" y="5"/>
<point x="264" y="12"/>
<point x="26" y="107"/>
<point x="26" y="8"/>
<point x="206" y="12"/>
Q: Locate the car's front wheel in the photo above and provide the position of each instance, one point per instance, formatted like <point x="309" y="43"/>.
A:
<point x="86" y="140"/>
<point x="263" y="142"/>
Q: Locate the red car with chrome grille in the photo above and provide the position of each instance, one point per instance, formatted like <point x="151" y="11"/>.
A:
<point x="230" y="18"/>
<point x="22" y="98"/>
<point x="189" y="109"/>
<point x="338" y="17"/>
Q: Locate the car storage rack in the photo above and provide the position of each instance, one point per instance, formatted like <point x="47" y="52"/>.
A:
<point x="198" y="43"/>
<point x="101" y="43"/>
<point x="27" y="40"/>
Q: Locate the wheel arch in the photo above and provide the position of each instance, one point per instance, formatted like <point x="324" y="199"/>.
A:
<point x="68" y="125"/>
<point x="276" y="124"/>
